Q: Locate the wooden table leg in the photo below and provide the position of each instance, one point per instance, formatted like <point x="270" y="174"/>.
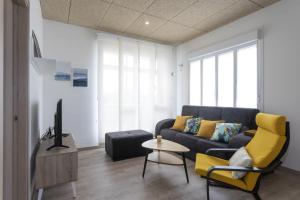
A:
<point x="145" y="163"/>
<point x="185" y="169"/>
<point x="40" y="193"/>
<point x="74" y="189"/>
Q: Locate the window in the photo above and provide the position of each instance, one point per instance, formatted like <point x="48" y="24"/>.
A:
<point x="195" y="83"/>
<point x="209" y="82"/>
<point x="247" y="77"/>
<point x="228" y="78"/>
<point x="134" y="84"/>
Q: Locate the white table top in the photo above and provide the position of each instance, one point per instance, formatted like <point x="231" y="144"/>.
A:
<point x="165" y="145"/>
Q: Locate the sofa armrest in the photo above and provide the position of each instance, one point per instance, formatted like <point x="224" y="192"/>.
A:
<point x="166" y="123"/>
<point x="239" y="140"/>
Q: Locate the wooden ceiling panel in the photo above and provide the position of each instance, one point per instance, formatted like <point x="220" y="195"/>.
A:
<point x="138" y="5"/>
<point x="202" y="10"/>
<point x="140" y="28"/>
<point x="265" y="3"/>
<point x="118" y="18"/>
<point x="167" y="9"/>
<point x="87" y="13"/>
<point x="234" y="12"/>
<point x="174" y="33"/>
<point x="57" y="10"/>
<point x="170" y="21"/>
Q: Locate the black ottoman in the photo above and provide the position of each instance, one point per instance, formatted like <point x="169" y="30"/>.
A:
<point x="126" y="144"/>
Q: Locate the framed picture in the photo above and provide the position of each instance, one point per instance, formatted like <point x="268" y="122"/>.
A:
<point x="63" y="71"/>
<point x="80" y="77"/>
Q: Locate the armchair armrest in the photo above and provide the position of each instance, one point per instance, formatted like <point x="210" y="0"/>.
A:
<point x="166" y="123"/>
<point x="233" y="168"/>
<point x="222" y="150"/>
<point x="266" y="170"/>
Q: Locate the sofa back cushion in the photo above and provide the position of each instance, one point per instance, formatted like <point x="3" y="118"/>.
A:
<point x="209" y="113"/>
<point x="245" y="116"/>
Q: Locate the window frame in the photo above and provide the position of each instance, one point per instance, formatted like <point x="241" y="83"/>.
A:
<point x="234" y="49"/>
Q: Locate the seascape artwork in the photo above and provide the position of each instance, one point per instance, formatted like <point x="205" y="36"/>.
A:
<point x="80" y="77"/>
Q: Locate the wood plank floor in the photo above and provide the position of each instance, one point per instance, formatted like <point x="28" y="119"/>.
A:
<point x="102" y="179"/>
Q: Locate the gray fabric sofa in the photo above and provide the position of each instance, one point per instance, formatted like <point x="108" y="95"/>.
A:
<point x="200" y="145"/>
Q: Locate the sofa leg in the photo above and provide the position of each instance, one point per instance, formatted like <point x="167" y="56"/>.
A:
<point x="207" y="189"/>
<point x="256" y="196"/>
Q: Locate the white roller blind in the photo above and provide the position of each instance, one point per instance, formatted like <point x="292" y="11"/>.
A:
<point x="135" y="84"/>
<point x="146" y="86"/>
<point x="108" y="86"/>
<point x="128" y="86"/>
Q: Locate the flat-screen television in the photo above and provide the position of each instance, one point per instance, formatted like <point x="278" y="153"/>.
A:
<point x="58" y="135"/>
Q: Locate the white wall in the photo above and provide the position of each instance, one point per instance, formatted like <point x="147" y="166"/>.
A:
<point x="1" y="98"/>
<point x="79" y="46"/>
<point x="35" y="80"/>
<point x="35" y="84"/>
<point x="281" y="30"/>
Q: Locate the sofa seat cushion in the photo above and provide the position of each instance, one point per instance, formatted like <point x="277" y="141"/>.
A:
<point x="187" y="140"/>
<point x="202" y="145"/>
<point x="194" y="143"/>
<point x="205" y="162"/>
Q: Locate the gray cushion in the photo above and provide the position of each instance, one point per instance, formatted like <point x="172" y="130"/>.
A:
<point x="194" y="143"/>
<point x="245" y="116"/>
<point x="186" y="140"/>
<point x="210" y="113"/>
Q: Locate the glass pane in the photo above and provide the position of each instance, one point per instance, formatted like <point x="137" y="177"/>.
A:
<point x="129" y="86"/>
<point x="225" y="79"/>
<point x="108" y="87"/>
<point x="110" y="58"/>
<point x="247" y="77"/>
<point x="195" y="83"/>
<point x="146" y="86"/>
<point x="209" y="83"/>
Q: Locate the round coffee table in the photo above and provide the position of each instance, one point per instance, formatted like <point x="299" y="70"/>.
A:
<point x="162" y="154"/>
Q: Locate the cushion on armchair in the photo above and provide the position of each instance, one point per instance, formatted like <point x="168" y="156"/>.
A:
<point x="240" y="158"/>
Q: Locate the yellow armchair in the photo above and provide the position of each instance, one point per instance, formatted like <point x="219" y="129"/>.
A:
<point x="266" y="149"/>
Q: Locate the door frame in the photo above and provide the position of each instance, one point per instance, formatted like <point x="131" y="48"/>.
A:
<point x="15" y="102"/>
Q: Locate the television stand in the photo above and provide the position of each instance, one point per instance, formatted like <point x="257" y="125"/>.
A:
<point x="56" y="167"/>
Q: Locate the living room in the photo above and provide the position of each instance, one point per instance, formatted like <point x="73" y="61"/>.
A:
<point x="155" y="99"/>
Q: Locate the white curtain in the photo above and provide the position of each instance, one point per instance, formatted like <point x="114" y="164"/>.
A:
<point x="135" y="84"/>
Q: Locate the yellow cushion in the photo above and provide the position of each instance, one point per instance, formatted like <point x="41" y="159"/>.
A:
<point x="180" y="122"/>
<point x="204" y="162"/>
<point x="250" y="180"/>
<point x="266" y="144"/>
<point x="273" y="123"/>
<point x="207" y="128"/>
<point x="265" y="147"/>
